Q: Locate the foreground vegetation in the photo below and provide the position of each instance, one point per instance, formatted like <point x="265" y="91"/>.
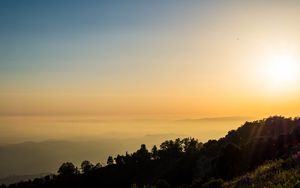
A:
<point x="273" y="174"/>
<point x="240" y="159"/>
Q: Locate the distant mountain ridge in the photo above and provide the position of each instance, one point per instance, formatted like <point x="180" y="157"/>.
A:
<point x="214" y="119"/>
<point x="16" y="178"/>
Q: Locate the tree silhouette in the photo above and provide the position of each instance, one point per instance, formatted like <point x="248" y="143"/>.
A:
<point x="120" y="160"/>
<point x="154" y="152"/>
<point x="171" y="148"/>
<point x="67" y="169"/>
<point x="191" y="145"/>
<point x="86" y="166"/>
<point x="142" y="154"/>
<point x="110" y="160"/>
<point x="97" y="166"/>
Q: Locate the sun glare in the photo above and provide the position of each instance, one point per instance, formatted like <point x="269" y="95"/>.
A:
<point x="281" y="71"/>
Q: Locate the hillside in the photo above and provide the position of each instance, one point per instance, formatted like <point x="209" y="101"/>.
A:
<point x="189" y="163"/>
<point x="278" y="173"/>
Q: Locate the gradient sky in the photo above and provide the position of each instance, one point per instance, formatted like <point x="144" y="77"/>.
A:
<point x="153" y="58"/>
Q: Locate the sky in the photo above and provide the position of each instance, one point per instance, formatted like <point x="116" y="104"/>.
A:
<point x="149" y="58"/>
